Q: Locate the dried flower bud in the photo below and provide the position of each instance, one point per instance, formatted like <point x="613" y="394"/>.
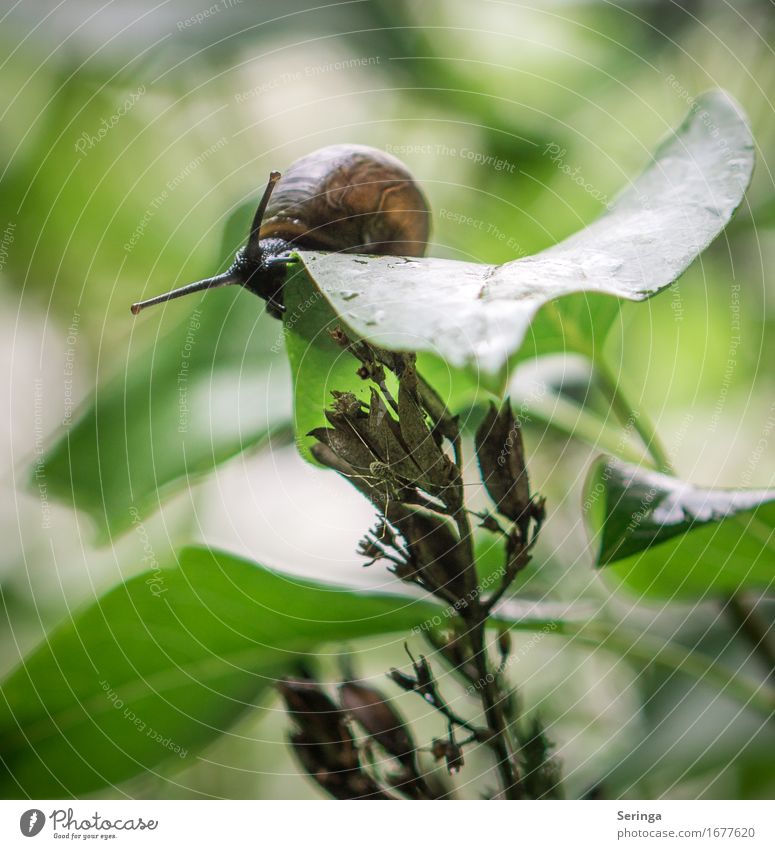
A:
<point x="435" y="552"/>
<point x="490" y="523"/>
<point x="347" y="446"/>
<point x="383" y="434"/>
<point x="541" y="770"/>
<point x="502" y="461"/>
<point x="456" y="650"/>
<point x="326" y="456"/>
<point x="406" y="682"/>
<point x="380" y="491"/>
<point x="339" y="336"/>
<point x="323" y="742"/>
<point x="443" y="422"/>
<point x="310" y="707"/>
<point x="451" y="752"/>
<point x="438" y="474"/>
<point x="348" y="404"/>
<point x="504" y="643"/>
<point x="422" y="669"/>
<point x="398" y="460"/>
<point x="379" y="720"/>
<point x="364" y="438"/>
<point x="422" y="682"/>
<point x="454" y="758"/>
<point x="395" y="361"/>
<point x="438" y="749"/>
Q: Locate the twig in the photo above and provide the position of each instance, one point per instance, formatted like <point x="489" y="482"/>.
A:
<point x="475" y="616"/>
<point x="759" y="633"/>
<point x="493" y="712"/>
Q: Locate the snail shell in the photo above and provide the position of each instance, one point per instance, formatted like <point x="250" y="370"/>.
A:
<point x="351" y="198"/>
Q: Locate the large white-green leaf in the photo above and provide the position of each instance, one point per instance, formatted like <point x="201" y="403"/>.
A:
<point x="479" y="314"/>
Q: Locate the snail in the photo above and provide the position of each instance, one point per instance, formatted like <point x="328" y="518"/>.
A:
<point x="345" y="197"/>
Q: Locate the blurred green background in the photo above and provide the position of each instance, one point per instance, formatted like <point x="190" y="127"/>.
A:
<point x="134" y="139"/>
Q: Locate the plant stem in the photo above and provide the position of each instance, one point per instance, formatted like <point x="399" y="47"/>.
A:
<point x="742" y="614"/>
<point x="630" y="417"/>
<point x="475" y="616"/>
<point x="675" y="659"/>
<point x="493" y="713"/>
<point x="577" y="422"/>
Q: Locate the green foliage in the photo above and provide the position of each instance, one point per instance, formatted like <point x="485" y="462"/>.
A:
<point x="188" y="662"/>
<point x="318" y="364"/>
<point x="659" y="536"/>
<point x="479" y="314"/>
<point x="164" y="663"/>
<point x="195" y="398"/>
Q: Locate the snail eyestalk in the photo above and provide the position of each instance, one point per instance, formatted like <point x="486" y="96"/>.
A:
<point x="245" y="264"/>
<point x="228" y="278"/>
<point x="255" y="227"/>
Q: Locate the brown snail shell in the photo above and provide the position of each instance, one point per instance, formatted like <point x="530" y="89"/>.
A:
<point x="352" y="198"/>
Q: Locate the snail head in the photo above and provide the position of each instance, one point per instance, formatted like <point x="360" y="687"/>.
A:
<point x="259" y="266"/>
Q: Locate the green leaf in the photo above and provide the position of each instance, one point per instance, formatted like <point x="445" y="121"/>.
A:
<point x="646" y="651"/>
<point x="215" y="385"/>
<point x="479" y="314"/>
<point x="164" y="663"/>
<point x="183" y="650"/>
<point x="318" y="365"/>
<point x="662" y="537"/>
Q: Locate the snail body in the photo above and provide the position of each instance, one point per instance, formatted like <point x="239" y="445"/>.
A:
<point x="344" y="197"/>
